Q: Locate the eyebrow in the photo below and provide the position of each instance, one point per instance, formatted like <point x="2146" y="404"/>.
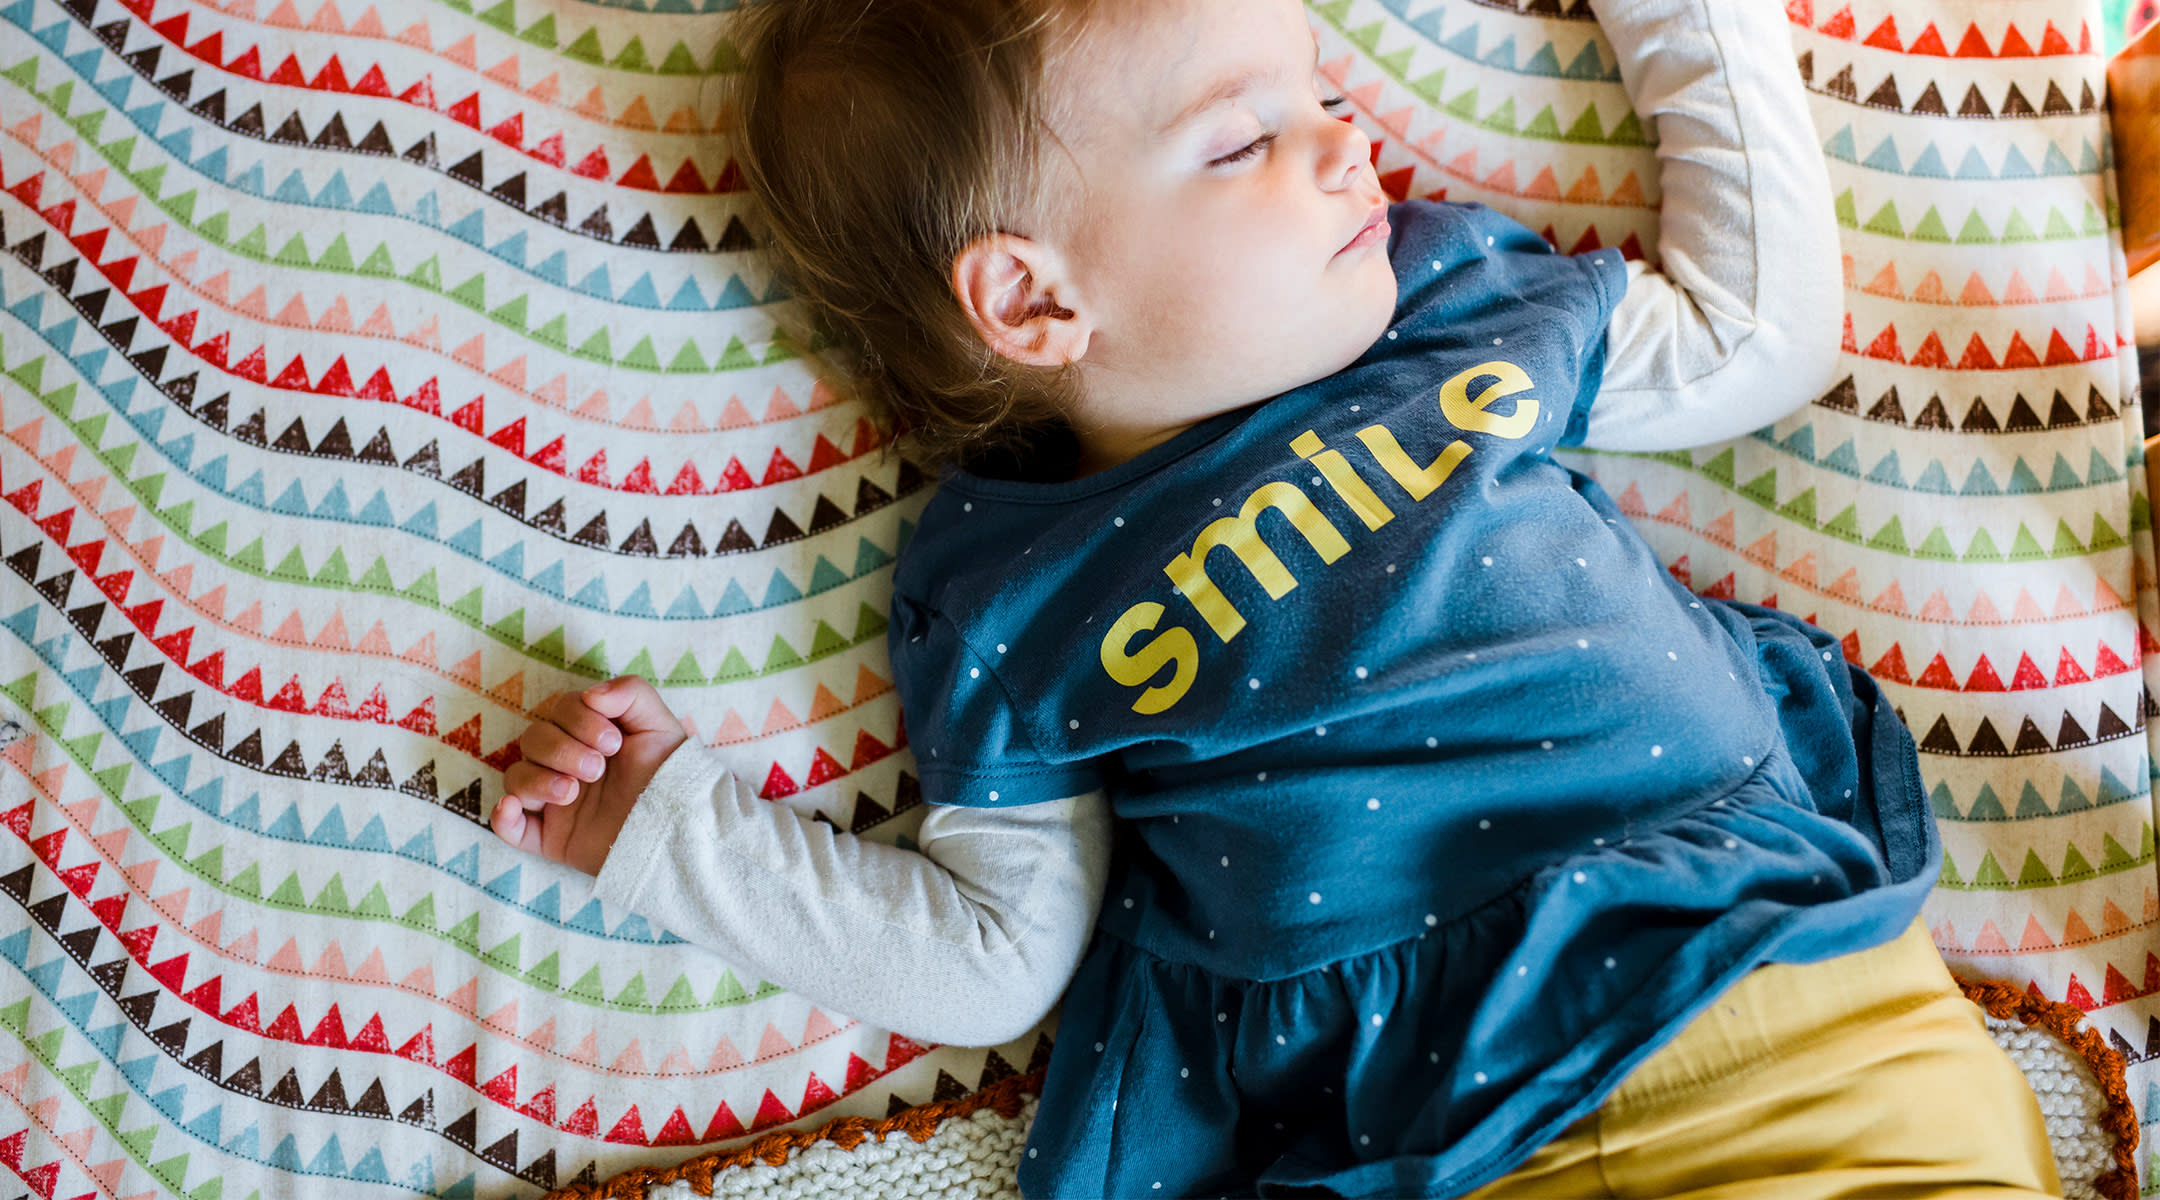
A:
<point x="1226" y="90"/>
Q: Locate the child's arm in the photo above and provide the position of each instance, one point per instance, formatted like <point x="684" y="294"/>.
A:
<point x="969" y="941"/>
<point x="1745" y="321"/>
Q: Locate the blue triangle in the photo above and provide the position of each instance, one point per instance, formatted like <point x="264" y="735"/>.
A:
<point x="17" y="14"/>
<point x="869" y="558"/>
<point x="149" y="422"/>
<point x="549" y="580"/>
<point x="686" y="606"/>
<point x="2022" y="480"/>
<point x="138" y="1071"/>
<point x="330" y="1160"/>
<point x="30" y="308"/>
<point x="292" y="191"/>
<point x="824" y="576"/>
<point x="422" y="522"/>
<point x="640" y="603"/>
<point x="2014" y="165"/>
<point x="62" y="333"/>
<point x="169" y="1102"/>
<point x="2073" y="798"/>
<point x="330" y="831"/>
<point x="287" y="1154"/>
<point x="287" y="826"/>
<point x="1544" y="63"/>
<point x="688" y="298"/>
<point x="180" y="143"/>
<point x="247" y="814"/>
<point x="45" y="976"/>
<point x="781" y="590"/>
<point x="735" y="295"/>
<point x="1972" y="166"/>
<point x="142" y="742"/>
<point x="210" y="797"/>
<point x="372" y="836"/>
<point x="1884" y="157"/>
<point x="207" y="1125"/>
<point x="511" y="249"/>
<point x="421" y="846"/>
<point x="466" y="539"/>
<point x="594" y="595"/>
<point x="467" y="228"/>
<point x="377" y="511"/>
<point x="114" y="711"/>
<point x="173" y="771"/>
<point x="733" y="600"/>
<point x="511" y="561"/>
<point x="505" y="885"/>
<point x="24" y="622"/>
<point x="588" y="919"/>
<point x="634" y="928"/>
<point x="250" y="491"/>
<point x="213" y="165"/>
<point x="428" y="210"/>
<point x="1464" y="42"/>
<point x="245" y="1144"/>
<point x="1502" y="55"/>
<point x="76" y="1008"/>
<point x="641" y="294"/>
<point x="293" y="502"/>
<point x="548" y="904"/>
<point x="107" y="1040"/>
<point x="212" y="474"/>
<point x="552" y="269"/>
<point x="16" y="946"/>
<point x="333" y="506"/>
<point x="1934" y="479"/>
<point x="596" y="284"/>
<point x="1978" y="482"/>
<point x="181" y="450"/>
<point x="2055" y="162"/>
<point x="1840" y="146"/>
<point x="378" y="201"/>
<point x="2062" y="478"/>
<point x="250" y="181"/>
<point x="2112" y="790"/>
<point x="335" y="194"/>
<point x="2099" y="470"/>
<point x="370" y="1167"/>
<point x="148" y="117"/>
<point x="1800" y="442"/>
<point x="114" y="89"/>
<point x="466" y="865"/>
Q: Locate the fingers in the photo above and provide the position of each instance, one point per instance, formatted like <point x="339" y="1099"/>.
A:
<point x="570" y="713"/>
<point x="534" y="786"/>
<point x="545" y="744"/>
<point x="512" y="824"/>
<point x="633" y="704"/>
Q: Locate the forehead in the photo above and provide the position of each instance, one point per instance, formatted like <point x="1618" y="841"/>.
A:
<point x="1141" y="64"/>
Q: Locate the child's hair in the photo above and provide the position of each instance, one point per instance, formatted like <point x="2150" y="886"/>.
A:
<point x="878" y="138"/>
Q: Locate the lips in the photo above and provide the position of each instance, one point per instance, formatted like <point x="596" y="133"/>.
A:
<point x="1376" y="217"/>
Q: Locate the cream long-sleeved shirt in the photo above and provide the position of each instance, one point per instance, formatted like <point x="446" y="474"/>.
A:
<point x="972" y="939"/>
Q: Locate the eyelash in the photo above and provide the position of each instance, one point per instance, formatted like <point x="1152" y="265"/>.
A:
<point x="1262" y="141"/>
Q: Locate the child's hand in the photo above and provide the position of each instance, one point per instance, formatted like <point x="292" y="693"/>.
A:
<point x="585" y="761"/>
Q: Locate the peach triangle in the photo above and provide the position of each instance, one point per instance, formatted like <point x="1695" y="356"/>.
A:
<point x="337" y="318"/>
<point x="2035" y="938"/>
<point x="378" y="323"/>
<point x="217" y="286"/>
<point x="1801" y="570"/>
<point x="511" y="691"/>
<point x="371" y="969"/>
<point x="113" y="843"/>
<point x="683" y="121"/>
<point x="427" y="336"/>
<point x="463" y="997"/>
<point x="143" y="875"/>
<point x="76" y="1142"/>
<point x="12" y="1082"/>
<point x="868" y="684"/>
<point x="1397" y="122"/>
<point x="819" y="1026"/>
<point x="2075" y="930"/>
<point x="473" y="353"/>
<point x="734" y="415"/>
<point x="732" y="729"/>
<point x="369" y="25"/>
<point x="27" y="131"/>
<point x="1983" y="611"/>
<point x="1885" y="283"/>
<point x="511" y="374"/>
<point x="504" y="1018"/>
<point x="553" y="392"/>
<point x="587" y="1050"/>
<point x="467" y="671"/>
<point x="421" y="979"/>
<point x="593" y="107"/>
<point x="542" y="1038"/>
<point x="677" y="1062"/>
<point x="2105" y="599"/>
<point x="631" y="1060"/>
<point x="84" y="812"/>
<point x="777" y="718"/>
<point x="422" y="652"/>
<point x="284" y="16"/>
<point x="332" y="963"/>
<point x="2016" y="291"/>
<point x="287" y="957"/>
<point x="596" y="407"/>
<point x="780" y="408"/>
<point x="52" y="779"/>
<point x="91" y="183"/>
<point x="1678" y="512"/>
<point x="1720" y="530"/>
<point x="242" y="947"/>
<point x="824" y="704"/>
<point x="772" y="1045"/>
<point x="460" y="52"/>
<point x="724" y="1057"/>
<point x="254" y="304"/>
<point x="2058" y="288"/>
<point x="2066" y="604"/>
<point x="1976" y="292"/>
<point x="1764" y="549"/>
<point x="640" y="415"/>
<point x="211" y="602"/>
<point x="290" y="631"/>
<point x="251" y="620"/>
<point x="209" y="929"/>
<point x="547" y="89"/>
<point x="2113" y="920"/>
<point x="686" y="420"/>
<point x="332" y="636"/>
<point x="636" y="115"/>
<point x="121" y="212"/>
<point x="504" y="72"/>
<point x="2026" y="608"/>
<point x="327" y="19"/>
<point x="1937" y="607"/>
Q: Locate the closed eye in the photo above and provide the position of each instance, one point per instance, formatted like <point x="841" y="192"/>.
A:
<point x="1261" y="143"/>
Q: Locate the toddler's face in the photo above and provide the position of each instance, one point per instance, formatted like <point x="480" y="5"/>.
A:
<point x="1206" y="259"/>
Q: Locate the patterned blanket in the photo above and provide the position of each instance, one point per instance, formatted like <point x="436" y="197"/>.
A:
<point x="371" y="370"/>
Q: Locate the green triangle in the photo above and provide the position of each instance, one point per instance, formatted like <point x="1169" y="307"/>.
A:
<point x="510" y="627"/>
<point x="687" y="360"/>
<point x="1720" y="468"/>
<point x="468" y="606"/>
<point x="512" y="314"/>
<point x="686" y="672"/>
<point x="679" y="997"/>
<point x="1990" y="873"/>
<point x="1885" y="221"/>
<point x="2058" y="226"/>
<point x="247" y="883"/>
<point x="1544" y="125"/>
<point x="2017" y="230"/>
<point x="2025" y="547"/>
<point x="422" y="589"/>
<point x="642" y="356"/>
<point x="596" y="347"/>
<point x="502" y="17"/>
<point x="642" y="666"/>
<point x="1501" y="119"/>
<point x="1464" y="105"/>
<point x="826" y="640"/>
<point x="1983" y="549"/>
<point x="544" y="972"/>
<point x="428" y="274"/>
<point x="737" y="357"/>
<point x="631" y="57"/>
<point x="174" y="841"/>
<point x="377" y="578"/>
<point x="216" y="227"/>
<point x="586" y="47"/>
<point x="2035" y="872"/>
<point x="378" y="263"/>
<point x="292" y="566"/>
<point x="288" y="893"/>
<point x="293" y="253"/>
<point x="466" y="932"/>
<point x="421" y="915"/>
<point x="1890" y="537"/>
<point x="678" y="61"/>
<point x="727" y="991"/>
<point x="2074" y="866"/>
<point x="633" y="993"/>
<point x="338" y="257"/>
<point x="549" y="649"/>
<point x="587" y="986"/>
<point x="375" y="903"/>
<point x="780" y="657"/>
<point x="2112" y="856"/>
<point x="734" y="666"/>
<point x="1936" y="545"/>
<point x="1975" y="231"/>
<point x="508" y="954"/>
<point x="593" y="663"/>
<point x="1800" y="507"/>
<point x="213" y="539"/>
<point x="1629" y="132"/>
<point x="2104" y="536"/>
<point x="555" y="333"/>
<point x="332" y="898"/>
<point x="472" y="293"/>
<point x="541" y="32"/>
<point x="255" y="243"/>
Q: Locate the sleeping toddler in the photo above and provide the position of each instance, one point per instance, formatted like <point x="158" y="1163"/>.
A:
<point x="1388" y="819"/>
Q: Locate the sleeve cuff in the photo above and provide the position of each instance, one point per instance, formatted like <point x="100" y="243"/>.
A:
<point x="668" y="808"/>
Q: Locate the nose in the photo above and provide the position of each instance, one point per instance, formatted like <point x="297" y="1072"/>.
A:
<point x="1345" y="151"/>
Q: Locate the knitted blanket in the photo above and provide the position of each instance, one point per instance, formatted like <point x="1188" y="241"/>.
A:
<point x="370" y="369"/>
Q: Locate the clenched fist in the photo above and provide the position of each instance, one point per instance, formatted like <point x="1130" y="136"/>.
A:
<point x="586" y="760"/>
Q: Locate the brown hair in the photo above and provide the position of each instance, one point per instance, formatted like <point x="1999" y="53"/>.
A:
<point x="878" y="138"/>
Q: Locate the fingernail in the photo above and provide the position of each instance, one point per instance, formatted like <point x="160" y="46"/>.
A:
<point x="590" y="765"/>
<point x="610" y="742"/>
<point x="560" y="787"/>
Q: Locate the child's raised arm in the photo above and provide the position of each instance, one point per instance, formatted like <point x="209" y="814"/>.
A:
<point x="1744" y="323"/>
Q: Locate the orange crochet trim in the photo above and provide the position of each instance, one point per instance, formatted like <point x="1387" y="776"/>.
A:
<point x="774" y="1149"/>
<point x="2004" y="1002"/>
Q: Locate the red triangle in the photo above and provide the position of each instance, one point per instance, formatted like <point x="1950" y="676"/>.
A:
<point x="723" y="1125"/>
<point x="676" y="1131"/>
<point x="584" y="1122"/>
<point x="630" y="1131"/>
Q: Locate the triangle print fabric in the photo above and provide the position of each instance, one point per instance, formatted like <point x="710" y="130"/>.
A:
<point x="371" y="369"/>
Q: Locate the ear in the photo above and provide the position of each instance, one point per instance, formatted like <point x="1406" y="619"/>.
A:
<point x="1017" y="297"/>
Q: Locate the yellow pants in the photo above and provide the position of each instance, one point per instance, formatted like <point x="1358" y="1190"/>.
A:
<point x="1869" y="1075"/>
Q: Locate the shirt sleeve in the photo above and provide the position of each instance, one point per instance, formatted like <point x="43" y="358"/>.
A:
<point x="1744" y="322"/>
<point x="971" y="741"/>
<point x="970" y="941"/>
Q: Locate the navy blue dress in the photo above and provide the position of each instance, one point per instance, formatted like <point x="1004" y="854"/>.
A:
<point x="1439" y="804"/>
